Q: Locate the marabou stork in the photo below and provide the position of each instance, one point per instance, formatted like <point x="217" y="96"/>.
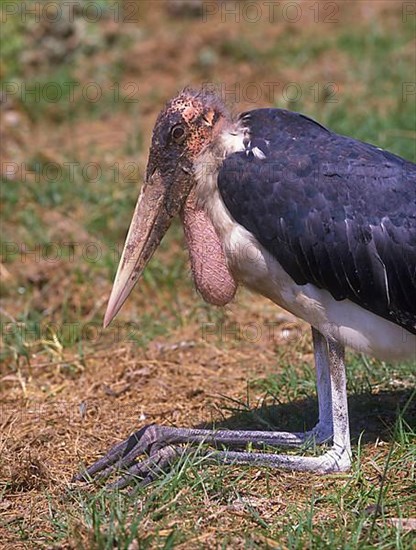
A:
<point x="321" y="224"/>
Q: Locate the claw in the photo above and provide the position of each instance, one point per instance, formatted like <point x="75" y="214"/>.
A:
<point x="150" y="440"/>
<point x="149" y="469"/>
<point x="120" y="456"/>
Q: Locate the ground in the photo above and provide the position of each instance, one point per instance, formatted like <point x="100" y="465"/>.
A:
<point x="79" y="99"/>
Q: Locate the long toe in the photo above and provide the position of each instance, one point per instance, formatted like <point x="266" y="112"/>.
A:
<point x="121" y="455"/>
<point x="147" y="470"/>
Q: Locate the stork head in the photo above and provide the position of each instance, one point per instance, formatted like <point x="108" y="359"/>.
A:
<point x="189" y="124"/>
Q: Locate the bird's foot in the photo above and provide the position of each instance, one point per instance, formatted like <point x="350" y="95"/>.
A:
<point x="146" y="470"/>
<point x="150" y="450"/>
<point x="151" y="442"/>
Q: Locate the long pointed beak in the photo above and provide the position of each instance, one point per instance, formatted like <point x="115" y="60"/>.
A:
<point x="157" y="204"/>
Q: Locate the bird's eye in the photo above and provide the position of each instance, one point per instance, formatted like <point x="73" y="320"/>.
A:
<point x="178" y="133"/>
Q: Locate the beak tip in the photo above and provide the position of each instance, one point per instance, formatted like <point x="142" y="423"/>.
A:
<point x="109" y="316"/>
<point x="106" y="321"/>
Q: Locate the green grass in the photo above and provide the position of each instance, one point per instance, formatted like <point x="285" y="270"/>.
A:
<point x="356" y="506"/>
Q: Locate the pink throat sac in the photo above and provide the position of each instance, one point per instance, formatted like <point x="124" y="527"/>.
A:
<point x="209" y="267"/>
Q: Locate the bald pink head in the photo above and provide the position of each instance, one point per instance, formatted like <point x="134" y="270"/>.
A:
<point x="189" y="123"/>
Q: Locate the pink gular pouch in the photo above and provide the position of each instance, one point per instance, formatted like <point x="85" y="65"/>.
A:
<point x="208" y="263"/>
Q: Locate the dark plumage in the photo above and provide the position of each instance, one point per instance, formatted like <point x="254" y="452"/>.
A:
<point x="334" y="211"/>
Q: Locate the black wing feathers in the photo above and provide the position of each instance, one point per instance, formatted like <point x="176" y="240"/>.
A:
<point x="334" y="211"/>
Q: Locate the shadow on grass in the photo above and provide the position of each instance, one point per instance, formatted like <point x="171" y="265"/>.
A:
<point x="371" y="415"/>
